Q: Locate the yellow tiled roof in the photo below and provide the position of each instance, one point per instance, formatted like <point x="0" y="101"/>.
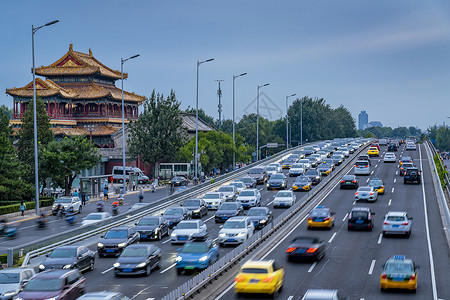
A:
<point x="45" y="88"/>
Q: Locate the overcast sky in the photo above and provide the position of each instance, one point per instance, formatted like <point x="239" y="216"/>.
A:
<point x="390" y="58"/>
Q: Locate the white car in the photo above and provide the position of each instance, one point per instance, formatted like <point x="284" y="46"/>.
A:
<point x="397" y="222"/>
<point x="95" y="217"/>
<point x="68" y="202"/>
<point x="276" y="165"/>
<point x="284" y="199"/>
<point x="236" y="230"/>
<point x="214" y="199"/>
<point x="229" y="191"/>
<point x="306" y="163"/>
<point x="186" y="231"/>
<point x="410" y="146"/>
<point x="271" y="170"/>
<point x="366" y="193"/>
<point x="240" y="186"/>
<point x="297" y="169"/>
<point x="249" y="198"/>
<point x="389" y="157"/>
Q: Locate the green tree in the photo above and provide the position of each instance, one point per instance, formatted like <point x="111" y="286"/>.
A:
<point x="443" y="138"/>
<point x="9" y="112"/>
<point x="66" y="158"/>
<point x="432" y="132"/>
<point x="4" y="121"/>
<point x="202" y="115"/>
<point x="158" y="133"/>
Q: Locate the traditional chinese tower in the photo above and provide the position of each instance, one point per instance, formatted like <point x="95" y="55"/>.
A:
<point x="80" y="97"/>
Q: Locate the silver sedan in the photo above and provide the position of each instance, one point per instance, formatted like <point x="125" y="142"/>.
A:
<point x="366" y="193"/>
<point x="397" y="222"/>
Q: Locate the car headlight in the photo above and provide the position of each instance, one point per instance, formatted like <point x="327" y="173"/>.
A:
<point x="18" y="298"/>
<point x="178" y="259"/>
<point x="317" y="177"/>
<point x="52" y="298"/>
<point x="68" y="266"/>
<point x="196" y="211"/>
<point x="9" y="293"/>
<point x="173" y="234"/>
<point x="141" y="265"/>
<point x="268" y="185"/>
<point x="222" y="234"/>
<point x="156" y="230"/>
<point x="100" y="245"/>
<point x="121" y="245"/>
<point x="240" y="234"/>
<point x="41" y="267"/>
<point x="203" y="258"/>
<point x="116" y="265"/>
<point x="262" y="221"/>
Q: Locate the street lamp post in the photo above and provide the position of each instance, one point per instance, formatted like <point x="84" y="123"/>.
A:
<point x="122" y="61"/>
<point x="301" y="122"/>
<point x="36" y="171"/>
<point x="196" y="119"/>
<point x="257" y="119"/>
<point x="287" y="122"/>
<point x="234" y="144"/>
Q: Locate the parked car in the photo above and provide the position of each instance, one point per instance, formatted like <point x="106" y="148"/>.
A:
<point x="13" y="280"/>
<point x="189" y="230"/>
<point x="360" y="218"/>
<point x="137" y="259"/>
<point x="175" y="215"/>
<point x="116" y="239"/>
<point x="261" y="216"/>
<point x="197" y="256"/>
<point x="228" y="210"/>
<point x="68" y="203"/>
<point x="69" y="257"/>
<point x="152" y="227"/>
<point x="197" y="207"/>
<point x="54" y="284"/>
<point x="249" y="198"/>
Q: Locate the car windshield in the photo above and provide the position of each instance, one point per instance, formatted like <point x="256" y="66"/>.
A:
<point x="173" y="211"/>
<point x="247" y="193"/>
<point x="234" y="224"/>
<point x="301" y="180"/>
<point x="271" y="169"/>
<point x="149" y="222"/>
<point x="6" y="278"/>
<point x="325" y="166"/>
<point x="94" y="217"/>
<point x="211" y="196"/>
<point x="256" y="212"/>
<point x="277" y="176"/>
<point x="134" y="252"/>
<point x="246" y="180"/>
<point x="254" y="271"/>
<point x="256" y="171"/>
<point x="396" y="218"/>
<point x="63" y="253"/>
<point x="225" y="189"/>
<point x="407" y="165"/>
<point x="63" y="200"/>
<point x="311" y="172"/>
<point x="398" y="267"/>
<point x="116" y="234"/>
<point x="43" y="284"/>
<point x="294" y="166"/>
<point x="237" y="184"/>
<point x="361" y="164"/>
<point x="195" y="248"/>
<point x="284" y="194"/>
<point x="365" y="189"/>
<point x="187" y="225"/>
<point x="228" y="206"/>
<point x="305" y="240"/>
<point x="359" y="214"/>
<point x="375" y="183"/>
<point x="192" y="203"/>
<point x="318" y="213"/>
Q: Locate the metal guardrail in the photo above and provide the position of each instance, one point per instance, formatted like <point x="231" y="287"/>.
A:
<point x="191" y="287"/>
<point x="47" y="244"/>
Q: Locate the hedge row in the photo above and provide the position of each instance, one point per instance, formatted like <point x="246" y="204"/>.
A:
<point x="441" y="171"/>
<point x="12" y="208"/>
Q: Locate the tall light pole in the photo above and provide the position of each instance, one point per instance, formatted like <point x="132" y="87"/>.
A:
<point x="257" y="119"/>
<point x="234" y="144"/>
<point x="122" y="61"/>
<point x="219" y="93"/>
<point x="36" y="171"/>
<point x="301" y="122"/>
<point x="196" y="119"/>
<point x="287" y="122"/>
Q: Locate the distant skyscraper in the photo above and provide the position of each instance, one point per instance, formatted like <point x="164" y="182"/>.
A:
<point x="363" y="120"/>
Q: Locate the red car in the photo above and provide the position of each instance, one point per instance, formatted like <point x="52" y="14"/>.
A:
<point x="376" y="145"/>
<point x="54" y="284"/>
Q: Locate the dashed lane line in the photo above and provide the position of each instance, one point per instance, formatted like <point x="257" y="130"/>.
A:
<point x="390" y="200"/>
<point x="312" y="267"/>
<point x="395" y="180"/>
<point x="332" y="237"/>
<point x="392" y="190"/>
<point x="372" y="265"/>
<point x="168" y="268"/>
<point x="380" y="238"/>
<point x="345" y="218"/>
<point x="106" y="271"/>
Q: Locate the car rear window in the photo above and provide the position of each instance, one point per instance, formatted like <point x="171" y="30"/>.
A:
<point x="359" y="214"/>
<point x="396" y="218"/>
<point x="361" y="164"/>
<point x="254" y="271"/>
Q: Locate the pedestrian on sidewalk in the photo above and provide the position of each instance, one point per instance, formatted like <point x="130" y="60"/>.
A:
<point x="22" y="208"/>
<point x="83" y="198"/>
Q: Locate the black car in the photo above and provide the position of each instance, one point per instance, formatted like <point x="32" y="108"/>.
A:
<point x="314" y="175"/>
<point x="313" y="161"/>
<point x="405" y="166"/>
<point x="175" y="214"/>
<point x="197" y="207"/>
<point x="260" y="216"/>
<point x="412" y="175"/>
<point x="69" y="257"/>
<point x="228" y="210"/>
<point x="392" y="147"/>
<point x="277" y="181"/>
<point x="259" y="174"/>
<point x="179" y="181"/>
<point x="249" y="182"/>
<point x="138" y="259"/>
<point x="306" y="248"/>
<point x="360" y="218"/>
<point x="116" y="239"/>
<point x="152" y="227"/>
<point x="349" y="182"/>
<point x="364" y="157"/>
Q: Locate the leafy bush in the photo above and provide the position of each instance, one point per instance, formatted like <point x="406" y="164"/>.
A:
<point x="12" y="208"/>
<point x="441" y="171"/>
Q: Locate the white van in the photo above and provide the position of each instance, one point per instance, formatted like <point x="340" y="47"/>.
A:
<point x="118" y="174"/>
<point x="362" y="167"/>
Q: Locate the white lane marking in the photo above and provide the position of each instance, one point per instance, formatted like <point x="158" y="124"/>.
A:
<point x="372" y="265"/>
<point x="367" y="180"/>
<point x="270" y="202"/>
<point x="380" y="238"/>
<point x="354" y="202"/>
<point x="398" y="166"/>
<point x="209" y="219"/>
<point x="371" y="173"/>
<point x="332" y="237"/>
<point x="430" y="251"/>
<point x="395" y="180"/>
<point x="392" y="190"/>
<point x="396" y="172"/>
<point x="376" y="166"/>
<point x="166" y="241"/>
<point x="312" y="267"/>
<point x="390" y="200"/>
<point x="140" y="292"/>
<point x="168" y="268"/>
<point x="290" y="298"/>
<point x="361" y="298"/>
<point x="226" y="291"/>
<point x="260" y="189"/>
<point x="345" y="218"/>
<point x="106" y="271"/>
<point x="379" y="160"/>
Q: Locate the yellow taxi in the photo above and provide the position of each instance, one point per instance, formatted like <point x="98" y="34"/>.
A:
<point x="301" y="183"/>
<point x="320" y="217"/>
<point x="287" y="164"/>
<point x="373" y="151"/>
<point x="259" y="277"/>
<point x="378" y="185"/>
<point x="399" y="273"/>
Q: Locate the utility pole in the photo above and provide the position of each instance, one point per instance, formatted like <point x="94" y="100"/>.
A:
<point x="219" y="93"/>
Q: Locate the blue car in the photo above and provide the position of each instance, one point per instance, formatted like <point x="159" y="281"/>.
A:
<point x="197" y="256"/>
